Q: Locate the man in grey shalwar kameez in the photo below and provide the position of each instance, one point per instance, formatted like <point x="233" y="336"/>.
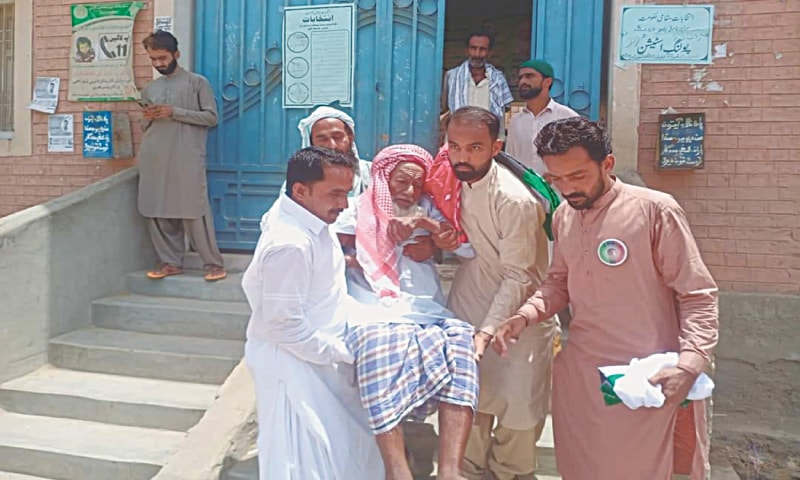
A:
<point x="179" y="109"/>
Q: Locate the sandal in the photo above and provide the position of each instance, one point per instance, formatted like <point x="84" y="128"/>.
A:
<point x="164" y="271"/>
<point x="215" y="273"/>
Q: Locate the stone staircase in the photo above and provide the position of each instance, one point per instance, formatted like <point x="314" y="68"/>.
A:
<point x="119" y="395"/>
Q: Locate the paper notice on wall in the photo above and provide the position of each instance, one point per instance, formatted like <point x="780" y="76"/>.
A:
<point x="162" y="23"/>
<point x="319" y="53"/>
<point x="60" y="133"/>
<point x="45" y="94"/>
<point x="101" y="57"/>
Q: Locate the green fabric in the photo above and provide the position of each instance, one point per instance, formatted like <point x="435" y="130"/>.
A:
<point x="540" y="66"/>
<point x="610" y="397"/>
<point x="537" y="183"/>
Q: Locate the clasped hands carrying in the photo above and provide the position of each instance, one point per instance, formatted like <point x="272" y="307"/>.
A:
<point x="443" y="235"/>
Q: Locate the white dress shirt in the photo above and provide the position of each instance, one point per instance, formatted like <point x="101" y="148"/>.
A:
<point x="296" y="286"/>
<point x="524" y="127"/>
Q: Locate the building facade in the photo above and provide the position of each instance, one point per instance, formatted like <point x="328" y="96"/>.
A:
<point x="742" y="204"/>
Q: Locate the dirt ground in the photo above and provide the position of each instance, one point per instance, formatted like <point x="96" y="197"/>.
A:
<point x="757" y="457"/>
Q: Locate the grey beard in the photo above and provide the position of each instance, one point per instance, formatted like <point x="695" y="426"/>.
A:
<point x="477" y="63"/>
<point x="412" y="211"/>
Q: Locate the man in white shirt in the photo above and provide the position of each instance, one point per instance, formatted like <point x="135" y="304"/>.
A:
<point x="478" y="83"/>
<point x="535" y="80"/>
<point x="311" y="424"/>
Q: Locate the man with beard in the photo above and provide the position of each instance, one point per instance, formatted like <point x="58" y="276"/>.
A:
<point x="535" y="80"/>
<point x="503" y="222"/>
<point x="180" y="108"/>
<point x="478" y="83"/>
<point x="412" y="357"/>
<point x="333" y="129"/>
<point x="626" y="260"/>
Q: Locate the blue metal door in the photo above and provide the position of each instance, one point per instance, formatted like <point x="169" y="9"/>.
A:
<point x="569" y="35"/>
<point x="399" y="48"/>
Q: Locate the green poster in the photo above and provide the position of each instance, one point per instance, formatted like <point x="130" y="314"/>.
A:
<point x="101" y="56"/>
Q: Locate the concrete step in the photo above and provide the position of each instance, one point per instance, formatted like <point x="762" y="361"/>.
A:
<point x="164" y="357"/>
<point x="188" y="285"/>
<point x="113" y="399"/>
<point x="172" y="316"/>
<point x="74" y="449"/>
<point x="19" y="476"/>
<point x="234" y="262"/>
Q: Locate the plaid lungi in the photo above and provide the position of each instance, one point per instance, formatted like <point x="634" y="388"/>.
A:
<point x="405" y="370"/>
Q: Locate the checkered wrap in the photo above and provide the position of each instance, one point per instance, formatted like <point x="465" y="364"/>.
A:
<point x="405" y="370"/>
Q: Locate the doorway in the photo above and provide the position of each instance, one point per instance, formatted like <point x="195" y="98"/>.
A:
<point x="509" y="20"/>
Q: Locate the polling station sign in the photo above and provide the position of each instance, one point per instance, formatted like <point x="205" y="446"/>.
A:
<point x="101" y="55"/>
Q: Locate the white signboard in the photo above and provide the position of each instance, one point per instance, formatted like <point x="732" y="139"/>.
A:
<point x="666" y="34"/>
<point x="45" y="94"/>
<point x="318" y="55"/>
<point x="60" y="130"/>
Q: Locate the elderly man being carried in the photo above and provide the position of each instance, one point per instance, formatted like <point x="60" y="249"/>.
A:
<point x="412" y="356"/>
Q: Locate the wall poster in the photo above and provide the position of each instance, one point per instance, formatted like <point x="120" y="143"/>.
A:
<point x="101" y="56"/>
<point x="318" y="55"/>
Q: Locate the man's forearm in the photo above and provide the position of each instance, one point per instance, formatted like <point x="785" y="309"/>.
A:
<point x="202" y="118"/>
<point x="545" y="303"/>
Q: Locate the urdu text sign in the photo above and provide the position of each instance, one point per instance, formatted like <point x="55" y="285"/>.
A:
<point x="666" y="34"/>
<point x="681" y="140"/>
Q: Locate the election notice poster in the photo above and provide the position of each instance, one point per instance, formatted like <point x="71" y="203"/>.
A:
<point x="45" y="94"/>
<point x="319" y="55"/>
<point x="101" y="57"/>
<point x="60" y="133"/>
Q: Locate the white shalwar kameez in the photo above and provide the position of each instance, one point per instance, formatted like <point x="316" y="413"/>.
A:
<point x="311" y="424"/>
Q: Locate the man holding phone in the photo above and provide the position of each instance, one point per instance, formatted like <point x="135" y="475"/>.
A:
<point x="178" y="110"/>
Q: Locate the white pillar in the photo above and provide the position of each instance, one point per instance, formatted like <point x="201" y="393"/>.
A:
<point x="624" y="83"/>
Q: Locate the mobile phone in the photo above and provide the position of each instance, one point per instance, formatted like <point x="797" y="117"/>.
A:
<point x="144" y="102"/>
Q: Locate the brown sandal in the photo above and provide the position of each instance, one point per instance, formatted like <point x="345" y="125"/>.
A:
<point x="215" y="273"/>
<point x="164" y="271"/>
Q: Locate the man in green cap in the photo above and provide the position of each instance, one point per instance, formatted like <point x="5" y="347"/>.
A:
<point x="535" y="80"/>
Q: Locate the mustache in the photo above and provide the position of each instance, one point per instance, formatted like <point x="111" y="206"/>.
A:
<point x="464" y="165"/>
<point x="574" y="196"/>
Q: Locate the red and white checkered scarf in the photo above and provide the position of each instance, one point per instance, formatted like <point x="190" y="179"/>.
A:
<point x="375" y="251"/>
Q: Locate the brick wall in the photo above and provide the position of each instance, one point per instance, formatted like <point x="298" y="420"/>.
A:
<point x="27" y="181"/>
<point x="743" y="206"/>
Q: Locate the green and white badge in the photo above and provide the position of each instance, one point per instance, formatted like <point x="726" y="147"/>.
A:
<point x="612" y="252"/>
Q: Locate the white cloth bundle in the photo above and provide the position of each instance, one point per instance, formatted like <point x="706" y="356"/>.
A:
<point x="634" y="387"/>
